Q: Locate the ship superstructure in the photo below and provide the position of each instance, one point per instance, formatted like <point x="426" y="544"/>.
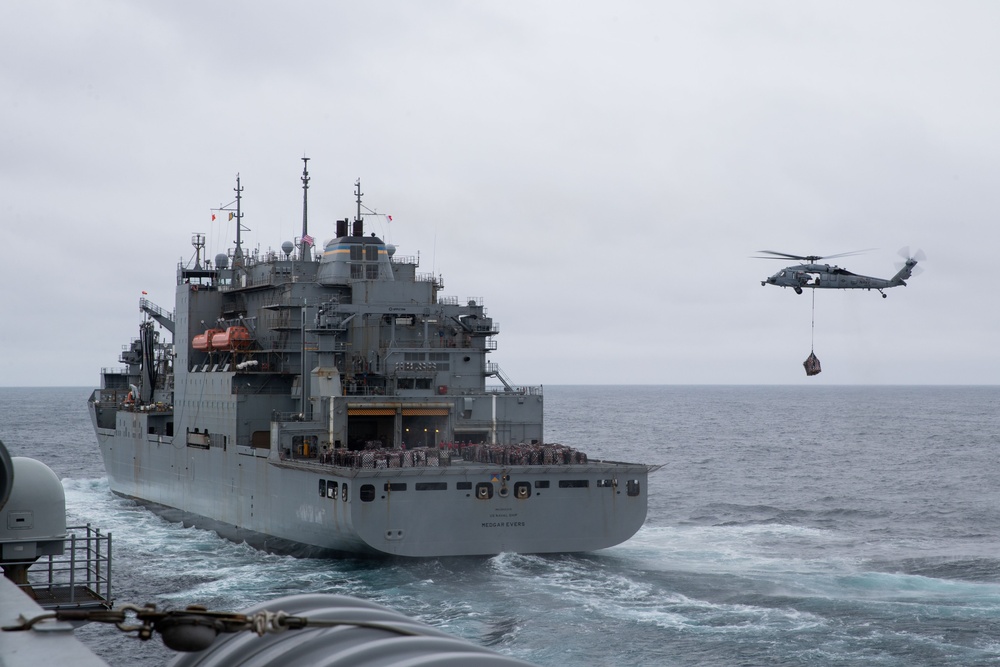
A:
<point x="336" y="401"/>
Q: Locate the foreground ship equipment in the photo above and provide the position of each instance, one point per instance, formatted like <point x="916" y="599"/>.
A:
<point x="329" y="401"/>
<point x="306" y="630"/>
<point x="56" y="565"/>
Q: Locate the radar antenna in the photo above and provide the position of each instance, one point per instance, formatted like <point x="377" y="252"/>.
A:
<point x="198" y="241"/>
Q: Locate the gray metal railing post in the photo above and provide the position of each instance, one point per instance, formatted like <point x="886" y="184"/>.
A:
<point x="97" y="558"/>
<point x="107" y="572"/>
<point x="72" y="567"/>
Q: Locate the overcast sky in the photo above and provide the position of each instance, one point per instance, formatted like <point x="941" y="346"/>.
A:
<point x="600" y="173"/>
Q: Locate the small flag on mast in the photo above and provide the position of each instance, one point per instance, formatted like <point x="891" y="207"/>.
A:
<point x="308" y="240"/>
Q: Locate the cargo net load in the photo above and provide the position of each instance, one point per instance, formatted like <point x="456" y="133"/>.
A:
<point x="520" y="454"/>
<point x="812" y="365"/>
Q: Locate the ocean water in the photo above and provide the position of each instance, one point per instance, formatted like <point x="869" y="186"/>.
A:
<point x="789" y="526"/>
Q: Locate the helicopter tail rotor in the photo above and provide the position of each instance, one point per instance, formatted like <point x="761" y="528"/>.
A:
<point x="909" y="267"/>
<point x="911" y="260"/>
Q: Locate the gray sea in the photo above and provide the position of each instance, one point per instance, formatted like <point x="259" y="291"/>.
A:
<point x="806" y="525"/>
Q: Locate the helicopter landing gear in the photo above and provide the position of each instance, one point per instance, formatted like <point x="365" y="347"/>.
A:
<point x="798" y="290"/>
<point x="884" y="295"/>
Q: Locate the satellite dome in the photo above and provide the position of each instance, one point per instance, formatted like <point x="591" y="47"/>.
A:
<point x="391" y="249"/>
<point x="222" y="260"/>
<point x="36" y="507"/>
<point x="287" y="248"/>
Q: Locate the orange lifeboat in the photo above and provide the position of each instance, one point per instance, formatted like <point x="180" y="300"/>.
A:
<point x="203" y="341"/>
<point x="233" y="338"/>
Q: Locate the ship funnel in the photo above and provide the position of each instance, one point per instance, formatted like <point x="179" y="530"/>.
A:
<point x="342" y="228"/>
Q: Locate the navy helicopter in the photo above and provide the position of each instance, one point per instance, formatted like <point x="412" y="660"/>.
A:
<point x="824" y="276"/>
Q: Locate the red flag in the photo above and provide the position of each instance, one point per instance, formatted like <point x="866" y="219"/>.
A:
<point x="213" y="217"/>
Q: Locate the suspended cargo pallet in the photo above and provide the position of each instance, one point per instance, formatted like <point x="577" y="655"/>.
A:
<point x="812" y="365"/>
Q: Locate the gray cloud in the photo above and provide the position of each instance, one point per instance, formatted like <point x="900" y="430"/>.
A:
<point x="599" y="174"/>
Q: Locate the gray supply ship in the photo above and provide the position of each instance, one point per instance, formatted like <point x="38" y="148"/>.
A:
<point x="331" y="401"/>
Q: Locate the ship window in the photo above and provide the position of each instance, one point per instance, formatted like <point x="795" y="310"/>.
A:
<point x="371" y="253"/>
<point x="371" y="271"/>
<point x="423" y="383"/>
<point x="432" y="486"/>
<point x="463" y="486"/>
<point x="574" y="483"/>
<point x="404" y="383"/>
<point x="357" y="271"/>
<point x="395" y="486"/>
<point x="344" y="494"/>
<point x="605" y="483"/>
<point x="356" y="252"/>
<point x="367" y="492"/>
<point x="441" y="359"/>
<point x="322" y="488"/>
<point x="484" y="491"/>
<point x="633" y="487"/>
<point x="543" y="484"/>
<point x="331" y="489"/>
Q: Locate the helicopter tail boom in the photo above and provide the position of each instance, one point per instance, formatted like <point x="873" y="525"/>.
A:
<point x="903" y="274"/>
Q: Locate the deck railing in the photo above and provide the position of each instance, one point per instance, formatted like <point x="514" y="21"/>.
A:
<point x="79" y="577"/>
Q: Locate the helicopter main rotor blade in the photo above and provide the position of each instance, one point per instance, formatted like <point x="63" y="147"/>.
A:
<point x="780" y="255"/>
<point x="809" y="258"/>
<point x="848" y="254"/>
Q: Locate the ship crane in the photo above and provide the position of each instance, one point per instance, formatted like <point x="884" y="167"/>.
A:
<point x="157" y="313"/>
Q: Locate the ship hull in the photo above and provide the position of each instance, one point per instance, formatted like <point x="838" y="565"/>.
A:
<point x="249" y="495"/>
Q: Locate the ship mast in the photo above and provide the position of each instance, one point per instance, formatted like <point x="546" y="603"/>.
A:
<point x="238" y="253"/>
<point x="306" y="240"/>
<point x="358" y="225"/>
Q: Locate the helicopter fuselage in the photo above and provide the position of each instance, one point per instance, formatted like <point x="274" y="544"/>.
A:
<point x="824" y="276"/>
